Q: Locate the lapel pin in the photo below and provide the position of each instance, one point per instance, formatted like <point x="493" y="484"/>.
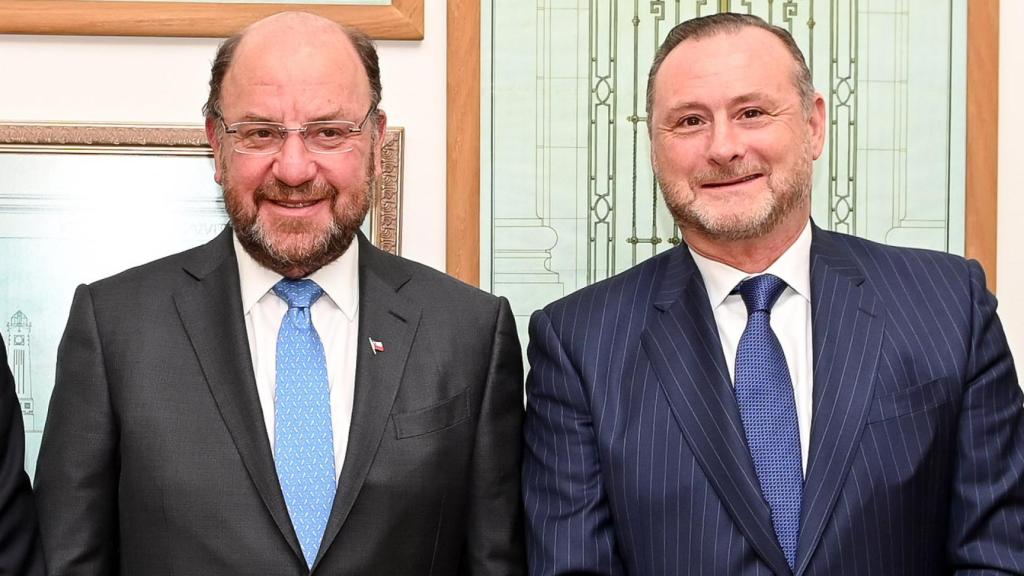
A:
<point x="376" y="346"/>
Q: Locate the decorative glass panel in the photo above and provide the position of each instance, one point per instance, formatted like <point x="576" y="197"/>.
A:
<point x="569" y="196"/>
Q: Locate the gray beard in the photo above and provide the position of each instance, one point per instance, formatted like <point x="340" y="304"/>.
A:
<point x="326" y="247"/>
<point x="785" y="196"/>
<point x="733" y="228"/>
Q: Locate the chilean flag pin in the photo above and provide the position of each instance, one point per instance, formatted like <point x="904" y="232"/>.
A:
<point x="376" y="346"/>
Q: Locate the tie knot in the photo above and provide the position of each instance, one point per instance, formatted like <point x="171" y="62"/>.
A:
<point x="298" y="293"/>
<point x="760" y="292"/>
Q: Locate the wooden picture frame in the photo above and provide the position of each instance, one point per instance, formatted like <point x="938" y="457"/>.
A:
<point x="399" y="20"/>
<point x="385" y="214"/>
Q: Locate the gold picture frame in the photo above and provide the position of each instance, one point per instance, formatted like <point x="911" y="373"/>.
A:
<point x="399" y="20"/>
<point x="385" y="214"/>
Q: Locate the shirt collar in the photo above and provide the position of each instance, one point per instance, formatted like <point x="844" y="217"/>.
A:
<point x="793" y="267"/>
<point x="339" y="279"/>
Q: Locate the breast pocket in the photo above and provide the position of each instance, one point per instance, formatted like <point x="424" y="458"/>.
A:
<point x="443" y="415"/>
<point x="914" y="399"/>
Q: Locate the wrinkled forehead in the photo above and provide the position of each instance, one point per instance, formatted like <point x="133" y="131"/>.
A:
<point x="290" y="55"/>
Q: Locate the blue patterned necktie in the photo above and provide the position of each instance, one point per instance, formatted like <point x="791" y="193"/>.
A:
<point x="304" y="442"/>
<point x="764" y="393"/>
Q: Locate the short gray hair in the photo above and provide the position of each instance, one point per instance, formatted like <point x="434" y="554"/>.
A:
<point x="729" y="22"/>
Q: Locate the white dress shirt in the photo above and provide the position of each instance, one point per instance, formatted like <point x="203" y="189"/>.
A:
<point x="335" y="316"/>
<point x="790" y="320"/>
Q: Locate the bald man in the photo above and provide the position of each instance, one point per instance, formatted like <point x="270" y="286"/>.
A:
<point x="286" y="399"/>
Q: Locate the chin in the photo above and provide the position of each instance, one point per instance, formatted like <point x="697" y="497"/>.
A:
<point x="727" y="222"/>
<point x="298" y="244"/>
<point x="292" y="247"/>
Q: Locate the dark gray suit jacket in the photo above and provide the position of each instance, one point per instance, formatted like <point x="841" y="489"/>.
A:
<point x="20" y="554"/>
<point x="155" y="458"/>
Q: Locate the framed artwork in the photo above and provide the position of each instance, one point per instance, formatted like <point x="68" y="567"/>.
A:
<point x="80" y="202"/>
<point x="381" y="19"/>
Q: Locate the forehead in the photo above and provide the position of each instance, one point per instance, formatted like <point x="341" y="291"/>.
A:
<point x="725" y="66"/>
<point x="298" y="66"/>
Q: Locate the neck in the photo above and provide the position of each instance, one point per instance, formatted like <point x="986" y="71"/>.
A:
<point x="751" y="255"/>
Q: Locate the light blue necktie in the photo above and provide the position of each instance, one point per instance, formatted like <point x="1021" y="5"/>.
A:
<point x="764" y="393"/>
<point x="304" y="442"/>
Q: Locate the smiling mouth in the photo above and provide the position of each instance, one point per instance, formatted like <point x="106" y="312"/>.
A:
<point x="296" y="205"/>
<point x="732" y="182"/>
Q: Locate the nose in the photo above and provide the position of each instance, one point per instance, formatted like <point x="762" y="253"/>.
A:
<point x="294" y="164"/>
<point x="726" y="144"/>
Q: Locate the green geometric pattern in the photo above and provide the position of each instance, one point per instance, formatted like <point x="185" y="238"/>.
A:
<point x="569" y="197"/>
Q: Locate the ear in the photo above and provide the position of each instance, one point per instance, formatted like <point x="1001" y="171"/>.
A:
<point x="816" y="123"/>
<point x="214" y="140"/>
<point x="382" y="130"/>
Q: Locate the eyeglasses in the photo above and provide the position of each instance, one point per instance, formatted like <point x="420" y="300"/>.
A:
<point x="322" y="137"/>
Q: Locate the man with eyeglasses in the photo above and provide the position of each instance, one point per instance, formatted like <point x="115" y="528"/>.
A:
<point x="286" y="399"/>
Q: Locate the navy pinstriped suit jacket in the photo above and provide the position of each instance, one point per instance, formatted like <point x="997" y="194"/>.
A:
<point x="636" y="461"/>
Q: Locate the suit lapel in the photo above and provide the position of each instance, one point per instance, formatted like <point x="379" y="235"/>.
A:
<point x="847" y="328"/>
<point x="389" y="318"/>
<point x="685" y="351"/>
<point x="211" y="312"/>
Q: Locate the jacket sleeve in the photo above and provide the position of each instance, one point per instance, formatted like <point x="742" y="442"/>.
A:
<point x="987" y="521"/>
<point x="20" y="552"/>
<point x="569" y="524"/>
<point x="495" y="527"/>
<point x="77" y="471"/>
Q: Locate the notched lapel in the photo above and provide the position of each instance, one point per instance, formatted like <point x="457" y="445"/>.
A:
<point x="387" y="317"/>
<point x="685" y="351"/>
<point x="211" y="312"/>
<point x="847" y="327"/>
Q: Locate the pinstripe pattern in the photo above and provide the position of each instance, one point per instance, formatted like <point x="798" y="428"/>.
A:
<point x="636" y="461"/>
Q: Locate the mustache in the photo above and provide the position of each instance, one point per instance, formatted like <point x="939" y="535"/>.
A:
<point x="728" y="172"/>
<point x="276" y="191"/>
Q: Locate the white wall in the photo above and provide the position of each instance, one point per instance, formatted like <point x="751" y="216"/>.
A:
<point x="1010" y="246"/>
<point x="164" y="80"/>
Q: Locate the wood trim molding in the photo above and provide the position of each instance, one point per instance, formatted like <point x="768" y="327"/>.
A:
<point x="980" y="228"/>
<point x="401" y="20"/>
<point x="462" y="239"/>
<point x="386" y="207"/>
<point x="66" y="138"/>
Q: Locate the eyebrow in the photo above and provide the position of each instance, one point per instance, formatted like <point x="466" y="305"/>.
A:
<point x="256" y="118"/>
<point x="737" y="101"/>
<point x="336" y="115"/>
<point x="752" y="97"/>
